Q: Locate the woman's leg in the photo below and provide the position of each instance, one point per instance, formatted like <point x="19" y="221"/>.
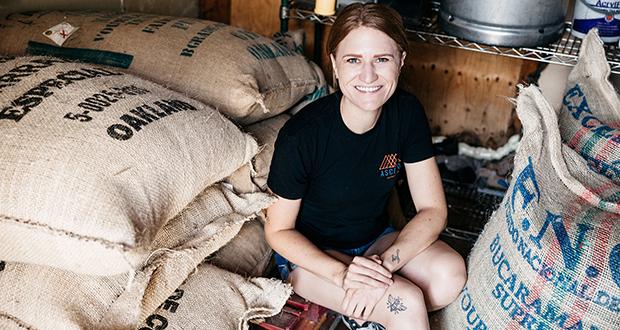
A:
<point x="401" y="307"/>
<point x="438" y="270"/>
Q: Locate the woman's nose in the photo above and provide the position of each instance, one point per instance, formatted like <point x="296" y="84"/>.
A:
<point x="368" y="73"/>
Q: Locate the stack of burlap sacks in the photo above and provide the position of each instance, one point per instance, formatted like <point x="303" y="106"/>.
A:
<point x="111" y="191"/>
<point x="549" y="257"/>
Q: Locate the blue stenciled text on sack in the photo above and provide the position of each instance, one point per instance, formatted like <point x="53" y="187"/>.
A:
<point x="526" y="186"/>
<point x="576" y="103"/>
<point x="530" y="310"/>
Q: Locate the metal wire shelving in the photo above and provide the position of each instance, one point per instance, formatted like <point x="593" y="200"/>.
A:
<point x="565" y="51"/>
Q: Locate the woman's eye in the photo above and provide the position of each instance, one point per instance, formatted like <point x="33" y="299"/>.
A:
<point x="382" y="60"/>
<point x="352" y="60"/>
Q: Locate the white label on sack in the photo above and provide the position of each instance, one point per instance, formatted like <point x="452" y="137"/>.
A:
<point x="60" y="33"/>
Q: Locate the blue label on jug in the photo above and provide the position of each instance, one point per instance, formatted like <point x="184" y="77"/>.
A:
<point x="606" y="27"/>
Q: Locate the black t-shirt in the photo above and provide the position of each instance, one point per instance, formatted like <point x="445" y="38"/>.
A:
<point x="344" y="178"/>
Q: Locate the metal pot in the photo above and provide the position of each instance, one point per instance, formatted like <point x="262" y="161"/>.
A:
<point x="513" y="23"/>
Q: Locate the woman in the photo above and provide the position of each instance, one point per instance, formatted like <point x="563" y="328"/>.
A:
<point x="333" y="167"/>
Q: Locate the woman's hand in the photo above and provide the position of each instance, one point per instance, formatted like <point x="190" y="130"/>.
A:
<point x="359" y="303"/>
<point x="366" y="273"/>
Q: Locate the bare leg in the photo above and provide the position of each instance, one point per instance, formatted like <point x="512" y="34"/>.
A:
<point x="404" y="310"/>
<point x="438" y="270"/>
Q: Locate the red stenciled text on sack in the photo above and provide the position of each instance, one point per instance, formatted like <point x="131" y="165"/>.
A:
<point x="143" y="115"/>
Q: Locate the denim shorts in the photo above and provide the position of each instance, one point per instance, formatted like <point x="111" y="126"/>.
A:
<point x="285" y="267"/>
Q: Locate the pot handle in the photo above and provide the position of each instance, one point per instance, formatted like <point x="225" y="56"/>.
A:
<point x="608" y="11"/>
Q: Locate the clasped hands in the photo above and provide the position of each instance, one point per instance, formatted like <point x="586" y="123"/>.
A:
<point x="365" y="282"/>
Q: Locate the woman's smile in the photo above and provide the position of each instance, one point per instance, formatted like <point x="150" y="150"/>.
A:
<point x="368" y="89"/>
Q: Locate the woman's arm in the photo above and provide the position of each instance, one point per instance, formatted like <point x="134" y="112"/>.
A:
<point x="431" y="217"/>
<point x="282" y="236"/>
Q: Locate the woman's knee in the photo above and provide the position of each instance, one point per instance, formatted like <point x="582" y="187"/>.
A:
<point x="403" y="306"/>
<point x="450" y="277"/>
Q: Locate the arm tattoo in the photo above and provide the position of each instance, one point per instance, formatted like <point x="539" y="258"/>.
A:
<point x="395" y="305"/>
<point x="396" y="257"/>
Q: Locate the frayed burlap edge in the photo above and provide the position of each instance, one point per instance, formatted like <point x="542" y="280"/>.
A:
<point x="282" y="292"/>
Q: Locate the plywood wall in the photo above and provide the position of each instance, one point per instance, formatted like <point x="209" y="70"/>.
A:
<point x="260" y="16"/>
<point x="184" y="8"/>
<point x="216" y="10"/>
<point x="465" y="91"/>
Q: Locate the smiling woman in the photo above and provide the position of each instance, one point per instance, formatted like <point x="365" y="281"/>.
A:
<point x="333" y="167"/>
<point x="367" y="73"/>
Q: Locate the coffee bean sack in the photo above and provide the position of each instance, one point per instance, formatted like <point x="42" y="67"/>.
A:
<point x="96" y="161"/>
<point x="50" y="298"/>
<point x="247" y="254"/>
<point x="590" y="114"/>
<point x="244" y="75"/>
<point x="549" y="257"/>
<point x="253" y="177"/>
<point x="213" y="298"/>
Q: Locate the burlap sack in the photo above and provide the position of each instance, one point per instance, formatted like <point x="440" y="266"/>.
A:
<point x="549" y="257"/>
<point x="95" y="161"/>
<point x="50" y="298"/>
<point x="246" y="76"/>
<point x="213" y="298"/>
<point x="321" y="90"/>
<point x="253" y="177"/>
<point x="247" y="254"/>
<point x="590" y="114"/>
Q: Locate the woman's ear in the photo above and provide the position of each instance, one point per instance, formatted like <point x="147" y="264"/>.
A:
<point x="402" y="59"/>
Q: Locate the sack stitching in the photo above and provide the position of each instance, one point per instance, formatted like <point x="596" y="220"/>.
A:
<point x="17" y="321"/>
<point x="105" y="243"/>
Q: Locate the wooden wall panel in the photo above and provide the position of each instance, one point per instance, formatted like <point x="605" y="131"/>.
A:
<point x="184" y="8"/>
<point x="465" y="91"/>
<point x="260" y="16"/>
<point x="216" y="10"/>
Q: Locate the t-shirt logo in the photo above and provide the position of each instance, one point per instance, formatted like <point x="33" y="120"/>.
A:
<point x="390" y="166"/>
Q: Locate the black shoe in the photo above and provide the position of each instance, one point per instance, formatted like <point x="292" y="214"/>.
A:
<point x="352" y="325"/>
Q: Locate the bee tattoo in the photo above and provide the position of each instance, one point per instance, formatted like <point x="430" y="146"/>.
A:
<point x="395" y="304"/>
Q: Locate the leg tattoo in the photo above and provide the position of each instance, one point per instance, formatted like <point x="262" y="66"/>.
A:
<point x="396" y="305"/>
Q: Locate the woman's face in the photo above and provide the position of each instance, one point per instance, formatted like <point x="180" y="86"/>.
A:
<point x="367" y="64"/>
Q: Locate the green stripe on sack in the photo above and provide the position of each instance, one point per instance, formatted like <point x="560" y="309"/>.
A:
<point x="94" y="56"/>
